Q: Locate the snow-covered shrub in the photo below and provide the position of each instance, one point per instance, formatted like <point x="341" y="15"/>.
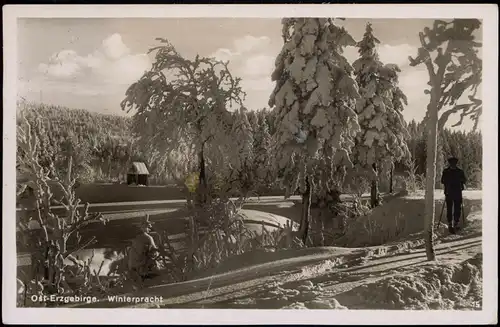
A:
<point x="51" y="238"/>
<point x="413" y="181"/>
<point x="207" y="245"/>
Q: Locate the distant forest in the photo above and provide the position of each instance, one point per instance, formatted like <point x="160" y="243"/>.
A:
<point x="103" y="146"/>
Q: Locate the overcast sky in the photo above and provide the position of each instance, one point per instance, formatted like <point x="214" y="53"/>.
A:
<point x="89" y="63"/>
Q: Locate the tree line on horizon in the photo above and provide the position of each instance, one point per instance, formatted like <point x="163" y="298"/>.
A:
<point x="103" y="146"/>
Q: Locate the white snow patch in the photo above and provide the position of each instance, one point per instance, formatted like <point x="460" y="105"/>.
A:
<point x="436" y="287"/>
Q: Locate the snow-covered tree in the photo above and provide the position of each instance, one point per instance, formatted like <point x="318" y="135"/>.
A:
<point x="242" y="136"/>
<point x="181" y="108"/>
<point x="253" y="119"/>
<point x="238" y="154"/>
<point x="399" y="101"/>
<point x="314" y="102"/>
<point x="269" y="117"/>
<point x="262" y="152"/>
<point x="246" y="154"/>
<point x="381" y="140"/>
<point x="449" y="52"/>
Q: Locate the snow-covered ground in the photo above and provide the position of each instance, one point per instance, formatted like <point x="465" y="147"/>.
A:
<point x="390" y="273"/>
<point x="400" y="218"/>
<point x="396" y="276"/>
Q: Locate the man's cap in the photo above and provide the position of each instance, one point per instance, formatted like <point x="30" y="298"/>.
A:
<point x="453" y="159"/>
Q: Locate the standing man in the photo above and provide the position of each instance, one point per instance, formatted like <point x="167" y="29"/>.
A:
<point x="453" y="180"/>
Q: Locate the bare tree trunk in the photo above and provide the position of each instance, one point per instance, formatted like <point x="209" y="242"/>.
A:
<point x="306" y="212"/>
<point x="202" y="187"/>
<point x="432" y="125"/>
<point x="391" y="181"/>
<point x="374" y="189"/>
<point x="109" y="169"/>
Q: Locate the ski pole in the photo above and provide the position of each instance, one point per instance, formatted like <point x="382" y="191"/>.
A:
<point x="441" y="215"/>
<point x="463" y="215"/>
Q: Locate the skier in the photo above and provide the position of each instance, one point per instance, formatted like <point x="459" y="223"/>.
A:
<point x="454" y="180"/>
<point x="143" y="254"/>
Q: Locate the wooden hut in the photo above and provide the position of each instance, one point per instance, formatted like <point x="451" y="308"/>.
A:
<point x="138" y="174"/>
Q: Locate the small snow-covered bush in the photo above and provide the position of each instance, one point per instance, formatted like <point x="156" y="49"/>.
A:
<point x="215" y="235"/>
<point x="413" y="181"/>
<point x="51" y="239"/>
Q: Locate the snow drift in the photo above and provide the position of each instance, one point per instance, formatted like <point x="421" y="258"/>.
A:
<point x="436" y="287"/>
<point x="398" y="218"/>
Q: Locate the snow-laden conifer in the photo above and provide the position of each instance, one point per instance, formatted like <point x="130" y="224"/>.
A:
<point x="314" y="102"/>
<point x="262" y="152"/>
<point x="382" y="139"/>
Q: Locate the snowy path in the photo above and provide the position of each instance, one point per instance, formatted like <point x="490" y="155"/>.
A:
<point x="165" y="204"/>
<point x="336" y="270"/>
<point x="448" y="253"/>
<point x="121" y="206"/>
<point x="329" y="281"/>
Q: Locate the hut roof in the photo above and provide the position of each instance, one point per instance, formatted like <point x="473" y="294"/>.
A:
<point x="139" y="168"/>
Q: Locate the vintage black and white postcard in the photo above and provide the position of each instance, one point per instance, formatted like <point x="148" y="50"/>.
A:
<point x="312" y="163"/>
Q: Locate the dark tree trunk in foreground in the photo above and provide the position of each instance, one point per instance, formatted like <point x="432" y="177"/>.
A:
<point x="374" y="189"/>
<point x="306" y="212"/>
<point x="202" y="186"/>
<point x="391" y="181"/>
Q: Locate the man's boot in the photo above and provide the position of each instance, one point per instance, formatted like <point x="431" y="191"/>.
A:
<point x="451" y="229"/>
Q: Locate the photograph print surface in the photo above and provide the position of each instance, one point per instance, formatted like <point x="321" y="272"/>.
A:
<point x="181" y="160"/>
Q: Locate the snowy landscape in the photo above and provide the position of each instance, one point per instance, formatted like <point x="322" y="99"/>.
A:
<point x="297" y="166"/>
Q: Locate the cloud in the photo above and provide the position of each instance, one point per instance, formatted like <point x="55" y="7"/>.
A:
<point x="252" y="59"/>
<point x="71" y="79"/>
<point x="251" y="43"/>
<point x="243" y="46"/>
<point x="351" y="54"/>
<point x="224" y="54"/>
<point x="388" y="54"/>
<point x="124" y="70"/>
<point x="396" y="54"/>
<point x="64" y="64"/>
<point x="114" y="48"/>
<point x="413" y="82"/>
<point x="111" y="63"/>
<point x="258" y="65"/>
<point x="263" y="83"/>
<point x="109" y="69"/>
